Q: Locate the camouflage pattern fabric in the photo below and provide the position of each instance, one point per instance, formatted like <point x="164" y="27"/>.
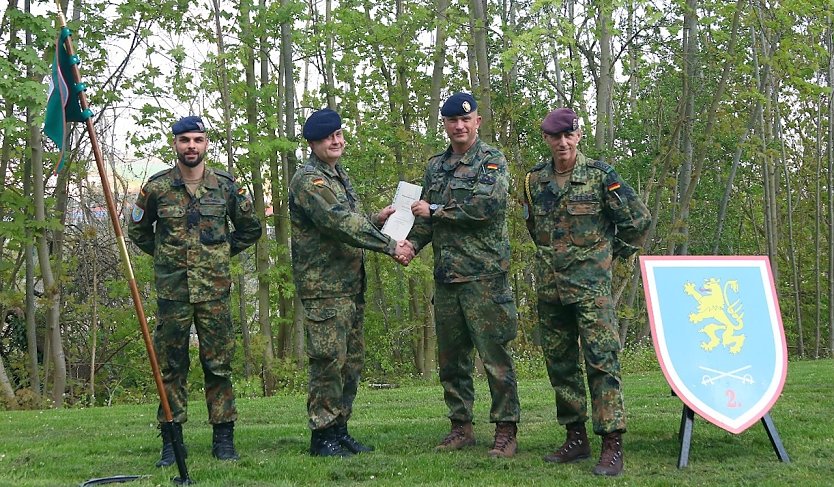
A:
<point x="473" y="304"/>
<point x="329" y="232"/>
<point x="578" y="229"/>
<point x="336" y="354"/>
<point x="592" y="322"/>
<point x="479" y="314"/>
<point x="213" y="322"/>
<point x="469" y="230"/>
<point x="192" y="242"/>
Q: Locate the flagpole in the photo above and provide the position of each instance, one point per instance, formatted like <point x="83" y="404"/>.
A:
<point x="179" y="451"/>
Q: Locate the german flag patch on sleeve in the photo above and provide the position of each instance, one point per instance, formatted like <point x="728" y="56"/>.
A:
<point x="318" y="182"/>
<point x="491" y="166"/>
<point x="614" y="186"/>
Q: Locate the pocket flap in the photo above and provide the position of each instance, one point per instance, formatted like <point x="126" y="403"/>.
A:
<point x="319" y="314"/>
<point x="461" y="183"/>
<point x="171" y="211"/>
<point x="502" y="298"/>
<point x="212" y="210"/>
<point x="583" y="208"/>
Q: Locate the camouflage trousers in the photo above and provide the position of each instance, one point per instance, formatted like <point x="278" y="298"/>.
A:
<point x="336" y="355"/>
<point x="591" y="325"/>
<point x="479" y="314"/>
<point x="215" y="332"/>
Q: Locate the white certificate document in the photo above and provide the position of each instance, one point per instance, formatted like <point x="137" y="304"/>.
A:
<point x="400" y="222"/>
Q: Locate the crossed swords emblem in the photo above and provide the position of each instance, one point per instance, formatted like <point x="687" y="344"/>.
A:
<point x="707" y="379"/>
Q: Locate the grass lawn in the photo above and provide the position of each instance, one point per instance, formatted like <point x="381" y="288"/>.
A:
<point x="67" y="447"/>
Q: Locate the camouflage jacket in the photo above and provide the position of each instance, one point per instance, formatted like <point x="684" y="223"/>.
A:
<point x="469" y="228"/>
<point x="578" y="229"/>
<point x="329" y="232"/>
<point x="191" y="242"/>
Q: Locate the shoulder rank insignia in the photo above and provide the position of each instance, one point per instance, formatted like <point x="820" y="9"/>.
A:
<point x="318" y="182"/>
<point x="137" y="214"/>
<point x="601" y="166"/>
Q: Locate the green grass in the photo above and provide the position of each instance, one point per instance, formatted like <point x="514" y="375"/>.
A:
<point x="67" y="447"/>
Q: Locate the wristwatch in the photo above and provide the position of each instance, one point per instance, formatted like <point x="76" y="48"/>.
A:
<point x="432" y="208"/>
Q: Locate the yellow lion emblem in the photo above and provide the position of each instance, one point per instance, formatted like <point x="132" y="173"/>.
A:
<point x="712" y="305"/>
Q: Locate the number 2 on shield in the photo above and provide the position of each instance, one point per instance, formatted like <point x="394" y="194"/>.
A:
<point x="731" y="399"/>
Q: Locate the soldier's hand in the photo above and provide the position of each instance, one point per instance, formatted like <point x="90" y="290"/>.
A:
<point x="404" y="252"/>
<point x="385" y="213"/>
<point x="420" y="208"/>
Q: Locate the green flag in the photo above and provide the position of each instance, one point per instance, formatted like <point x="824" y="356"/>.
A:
<point x="63" y="104"/>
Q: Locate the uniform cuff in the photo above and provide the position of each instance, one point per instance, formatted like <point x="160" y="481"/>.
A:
<point x="391" y="247"/>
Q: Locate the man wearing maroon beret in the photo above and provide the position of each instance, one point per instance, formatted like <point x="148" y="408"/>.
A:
<point x="581" y="215"/>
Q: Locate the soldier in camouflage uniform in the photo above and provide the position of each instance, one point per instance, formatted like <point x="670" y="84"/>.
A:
<point x="463" y="212"/>
<point x="182" y="217"/>
<point x="581" y="215"/>
<point x="329" y="233"/>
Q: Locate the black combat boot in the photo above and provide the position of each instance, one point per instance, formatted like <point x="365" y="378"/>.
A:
<point x="223" y="441"/>
<point x="325" y="443"/>
<point x="168" y="435"/>
<point x="350" y="442"/>
<point x="576" y="446"/>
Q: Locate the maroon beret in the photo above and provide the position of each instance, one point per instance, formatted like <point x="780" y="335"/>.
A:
<point x="560" y="120"/>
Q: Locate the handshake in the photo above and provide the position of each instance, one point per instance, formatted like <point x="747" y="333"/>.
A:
<point x="404" y="252"/>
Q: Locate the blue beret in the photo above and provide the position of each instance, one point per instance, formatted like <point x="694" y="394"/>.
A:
<point x="560" y="120"/>
<point x="191" y="123"/>
<point x="321" y="123"/>
<point x="459" y="104"/>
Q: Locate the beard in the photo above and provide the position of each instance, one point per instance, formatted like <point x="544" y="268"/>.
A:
<point x="196" y="162"/>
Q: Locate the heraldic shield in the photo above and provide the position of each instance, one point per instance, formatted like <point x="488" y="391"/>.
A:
<point x="718" y="334"/>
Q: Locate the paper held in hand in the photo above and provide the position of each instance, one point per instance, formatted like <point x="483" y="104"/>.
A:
<point x="400" y="222"/>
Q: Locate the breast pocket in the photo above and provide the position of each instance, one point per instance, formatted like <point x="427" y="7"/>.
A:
<point x="213" y="224"/>
<point x="461" y="188"/>
<point x="584" y="222"/>
<point x="171" y="224"/>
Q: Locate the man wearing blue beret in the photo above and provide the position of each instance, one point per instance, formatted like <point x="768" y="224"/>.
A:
<point x="182" y="218"/>
<point x="581" y="214"/>
<point x="329" y="233"/>
<point x="463" y="212"/>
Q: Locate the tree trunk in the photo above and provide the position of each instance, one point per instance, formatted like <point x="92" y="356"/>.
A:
<point x="225" y="99"/>
<point x="261" y="248"/>
<point x="51" y="292"/>
<point x="289" y="306"/>
<point x="439" y="61"/>
<point x="793" y="253"/>
<point x="603" y="137"/>
<point x="829" y="35"/>
<point x="6" y="386"/>
<point x="330" y="78"/>
<point x="483" y="93"/>
<point x="31" y="325"/>
<point x="818" y="216"/>
<point x="94" y="331"/>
